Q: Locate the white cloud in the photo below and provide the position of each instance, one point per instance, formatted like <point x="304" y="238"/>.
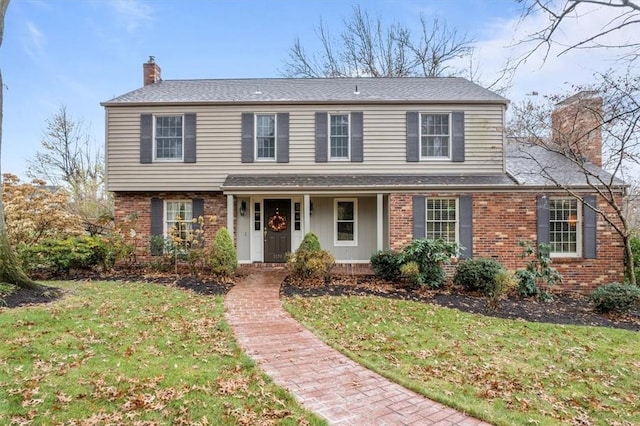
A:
<point x="132" y="14"/>
<point x="552" y="71"/>
<point x="34" y="42"/>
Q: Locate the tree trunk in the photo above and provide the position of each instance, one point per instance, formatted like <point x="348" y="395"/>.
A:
<point x="628" y="254"/>
<point x="10" y="270"/>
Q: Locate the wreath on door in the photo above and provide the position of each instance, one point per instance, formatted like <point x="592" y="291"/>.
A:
<point x="277" y="223"/>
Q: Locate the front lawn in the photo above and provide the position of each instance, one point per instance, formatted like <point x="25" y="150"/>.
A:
<point x="504" y="371"/>
<point x="116" y="353"/>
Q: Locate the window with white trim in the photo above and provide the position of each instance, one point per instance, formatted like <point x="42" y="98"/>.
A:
<point x="346" y="224"/>
<point x="178" y="221"/>
<point x="339" y="136"/>
<point x="564" y="226"/>
<point x="168" y="138"/>
<point x="442" y="219"/>
<point x="265" y="137"/>
<point x="435" y="136"/>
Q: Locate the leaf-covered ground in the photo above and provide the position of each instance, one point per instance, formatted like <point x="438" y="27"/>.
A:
<point x="132" y="353"/>
<point x="508" y="372"/>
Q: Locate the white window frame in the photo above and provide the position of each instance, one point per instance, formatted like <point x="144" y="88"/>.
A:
<point x="275" y="136"/>
<point x="420" y="135"/>
<point x="348" y="157"/>
<point x="457" y="220"/>
<point x="155" y="145"/>
<point x="578" y="225"/>
<point x="165" y="221"/>
<point x="337" y="242"/>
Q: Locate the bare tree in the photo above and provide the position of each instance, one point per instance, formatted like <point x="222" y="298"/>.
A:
<point x="616" y="116"/>
<point x="558" y="13"/>
<point x="367" y="47"/>
<point x="68" y="159"/>
<point x="10" y="270"/>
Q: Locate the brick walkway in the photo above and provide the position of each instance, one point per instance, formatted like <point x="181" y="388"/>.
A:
<point x="322" y="380"/>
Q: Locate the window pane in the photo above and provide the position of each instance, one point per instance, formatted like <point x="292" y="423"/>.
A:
<point x="435" y="135"/>
<point x="345" y="231"/>
<point x="345" y="210"/>
<point x="168" y="137"/>
<point x="441" y="219"/>
<point x="266" y="136"/>
<point x="339" y="136"/>
<point x="178" y="218"/>
<point x="563" y="225"/>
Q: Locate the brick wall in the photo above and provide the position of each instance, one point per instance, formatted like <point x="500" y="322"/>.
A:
<point x="501" y="220"/>
<point x="129" y="204"/>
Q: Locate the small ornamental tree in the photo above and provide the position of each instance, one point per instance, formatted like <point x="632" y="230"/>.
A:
<point x="224" y="259"/>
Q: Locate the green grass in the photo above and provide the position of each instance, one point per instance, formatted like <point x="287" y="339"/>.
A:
<point x="114" y="353"/>
<point x="503" y="371"/>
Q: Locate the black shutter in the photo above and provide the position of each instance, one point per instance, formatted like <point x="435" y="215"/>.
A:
<point x="146" y="138"/>
<point x="413" y="143"/>
<point x="543" y="219"/>
<point x="457" y="140"/>
<point x="589" y="237"/>
<point x="247" y="138"/>
<point x="465" y="204"/>
<point x="197" y="210"/>
<point x="321" y="137"/>
<point x="157" y="225"/>
<point x="282" y="139"/>
<point x="356" y="137"/>
<point x="419" y="217"/>
<point x="189" y="138"/>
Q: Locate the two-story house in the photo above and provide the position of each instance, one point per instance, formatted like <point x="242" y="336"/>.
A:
<point x="365" y="163"/>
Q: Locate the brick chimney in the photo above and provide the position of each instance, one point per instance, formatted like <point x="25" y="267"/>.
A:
<point x="576" y="123"/>
<point x="151" y="71"/>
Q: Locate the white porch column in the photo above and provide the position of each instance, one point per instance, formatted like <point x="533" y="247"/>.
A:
<point x="380" y="221"/>
<point x="230" y="214"/>
<point x="306" y="226"/>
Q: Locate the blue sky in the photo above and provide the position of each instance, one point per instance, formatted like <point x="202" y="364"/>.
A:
<point x="80" y="53"/>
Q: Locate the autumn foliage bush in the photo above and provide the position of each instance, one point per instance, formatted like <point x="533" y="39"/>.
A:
<point x="310" y="260"/>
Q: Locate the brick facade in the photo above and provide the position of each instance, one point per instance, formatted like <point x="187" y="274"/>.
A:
<point x="132" y="211"/>
<point x="501" y="220"/>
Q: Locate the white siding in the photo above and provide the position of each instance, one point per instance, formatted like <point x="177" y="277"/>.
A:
<point x="218" y="145"/>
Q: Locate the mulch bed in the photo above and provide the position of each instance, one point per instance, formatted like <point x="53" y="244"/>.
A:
<point x="564" y="309"/>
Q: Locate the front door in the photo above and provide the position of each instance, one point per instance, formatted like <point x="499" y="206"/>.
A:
<point x="277" y="230"/>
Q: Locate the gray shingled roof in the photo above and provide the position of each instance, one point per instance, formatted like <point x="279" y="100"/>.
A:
<point x="360" y="182"/>
<point x="271" y="90"/>
<point x="533" y="165"/>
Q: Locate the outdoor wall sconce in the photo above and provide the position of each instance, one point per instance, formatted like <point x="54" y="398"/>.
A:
<point x="310" y="208"/>
<point x="243" y="208"/>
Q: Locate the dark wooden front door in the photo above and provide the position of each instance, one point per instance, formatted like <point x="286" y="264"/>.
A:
<point x="277" y="230"/>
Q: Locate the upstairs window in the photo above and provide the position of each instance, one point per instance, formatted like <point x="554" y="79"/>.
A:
<point x="442" y="219"/>
<point x="564" y="226"/>
<point x="435" y="132"/>
<point x="339" y="136"/>
<point x="168" y="138"/>
<point x="266" y="137"/>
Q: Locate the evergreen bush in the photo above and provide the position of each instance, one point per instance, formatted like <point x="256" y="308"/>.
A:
<point x="223" y="259"/>
<point x="478" y="275"/>
<point x="615" y="297"/>
<point x="386" y="264"/>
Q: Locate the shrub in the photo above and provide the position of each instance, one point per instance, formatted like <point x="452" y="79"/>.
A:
<point x="224" y="259"/>
<point x="538" y="272"/>
<point x="55" y="256"/>
<point x="614" y="297"/>
<point x="429" y="255"/>
<point x="310" y="261"/>
<point x="386" y="264"/>
<point x="310" y="242"/>
<point x="635" y="249"/>
<point x="505" y="282"/>
<point x="478" y="274"/>
<point x="411" y="272"/>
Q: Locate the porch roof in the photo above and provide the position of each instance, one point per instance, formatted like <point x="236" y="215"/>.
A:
<point x="298" y="182"/>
